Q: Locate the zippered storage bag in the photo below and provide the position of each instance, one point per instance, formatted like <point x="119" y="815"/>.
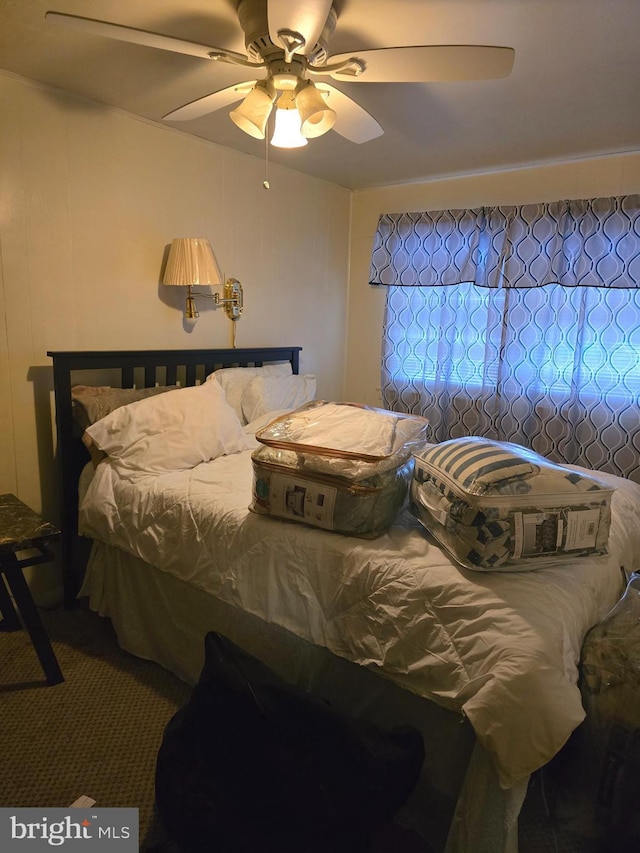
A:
<point x="339" y="466"/>
<point x="497" y="506"/>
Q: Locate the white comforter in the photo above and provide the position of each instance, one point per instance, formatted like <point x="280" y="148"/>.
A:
<point x="502" y="648"/>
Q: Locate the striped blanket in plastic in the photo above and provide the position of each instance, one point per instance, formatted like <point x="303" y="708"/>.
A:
<point x="496" y="506"/>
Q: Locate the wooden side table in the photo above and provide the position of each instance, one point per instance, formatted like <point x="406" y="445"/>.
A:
<point x="22" y="529"/>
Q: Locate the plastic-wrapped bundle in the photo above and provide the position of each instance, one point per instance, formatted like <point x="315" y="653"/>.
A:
<point x="338" y="466"/>
<point x="611" y="650"/>
<point x="496" y="506"/>
<point x="611" y="735"/>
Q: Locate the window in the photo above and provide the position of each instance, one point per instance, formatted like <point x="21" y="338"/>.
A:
<point x="539" y="343"/>
<point x="554" y="339"/>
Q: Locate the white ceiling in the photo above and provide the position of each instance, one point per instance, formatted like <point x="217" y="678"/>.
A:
<point x="574" y="90"/>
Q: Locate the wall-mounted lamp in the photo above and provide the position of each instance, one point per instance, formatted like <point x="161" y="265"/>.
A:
<point x="191" y="262"/>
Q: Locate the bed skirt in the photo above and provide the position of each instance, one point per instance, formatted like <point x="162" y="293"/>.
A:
<point x="458" y="805"/>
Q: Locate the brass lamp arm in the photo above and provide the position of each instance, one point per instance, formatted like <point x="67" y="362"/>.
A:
<point x="232" y="300"/>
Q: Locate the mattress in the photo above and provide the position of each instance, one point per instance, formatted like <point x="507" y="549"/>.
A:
<point x="502" y="649"/>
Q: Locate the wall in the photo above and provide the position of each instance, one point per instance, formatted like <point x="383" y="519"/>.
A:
<point x="586" y="178"/>
<point x="90" y="198"/>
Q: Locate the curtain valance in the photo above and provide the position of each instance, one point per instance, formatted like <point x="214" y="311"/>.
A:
<point x="592" y="242"/>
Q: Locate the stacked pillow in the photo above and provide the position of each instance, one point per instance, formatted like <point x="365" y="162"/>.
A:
<point x="253" y="392"/>
<point x="171" y="431"/>
<point x="167" y="428"/>
<point x="92" y="402"/>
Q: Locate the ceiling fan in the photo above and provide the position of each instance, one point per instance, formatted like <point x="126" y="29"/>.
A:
<point x="290" y="43"/>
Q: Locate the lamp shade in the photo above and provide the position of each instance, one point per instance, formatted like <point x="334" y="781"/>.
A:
<point x="315" y="116"/>
<point x="286" y="133"/>
<point x="191" y="261"/>
<point x="253" y="113"/>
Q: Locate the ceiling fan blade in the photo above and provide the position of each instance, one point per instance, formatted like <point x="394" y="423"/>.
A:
<point x="135" y="36"/>
<point x="429" y="63"/>
<point x="306" y="17"/>
<point x="211" y="103"/>
<point x="352" y="121"/>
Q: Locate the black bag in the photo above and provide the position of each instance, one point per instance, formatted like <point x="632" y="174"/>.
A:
<point x="254" y="765"/>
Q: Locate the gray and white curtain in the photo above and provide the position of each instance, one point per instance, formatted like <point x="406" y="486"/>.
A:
<point x="518" y="323"/>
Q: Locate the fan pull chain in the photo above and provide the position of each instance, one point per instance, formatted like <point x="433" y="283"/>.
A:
<point x="265" y="183"/>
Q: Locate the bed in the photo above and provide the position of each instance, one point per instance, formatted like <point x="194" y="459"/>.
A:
<point x="485" y="665"/>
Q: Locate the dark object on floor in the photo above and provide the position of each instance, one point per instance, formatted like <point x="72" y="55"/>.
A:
<point x="617" y="789"/>
<point x="611" y="697"/>
<point x="252" y="763"/>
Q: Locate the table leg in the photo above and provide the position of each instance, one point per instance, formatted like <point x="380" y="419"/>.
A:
<point x="32" y="622"/>
<point x="10" y="620"/>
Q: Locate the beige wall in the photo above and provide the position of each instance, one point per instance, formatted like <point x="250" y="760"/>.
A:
<point x="587" y="178"/>
<point x="89" y="199"/>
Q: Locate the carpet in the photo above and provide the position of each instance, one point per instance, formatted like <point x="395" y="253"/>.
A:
<point x="97" y="733"/>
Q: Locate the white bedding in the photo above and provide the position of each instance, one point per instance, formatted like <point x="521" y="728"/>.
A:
<point x="502" y="648"/>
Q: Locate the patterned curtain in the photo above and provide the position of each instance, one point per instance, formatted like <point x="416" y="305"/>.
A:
<point x="520" y="324"/>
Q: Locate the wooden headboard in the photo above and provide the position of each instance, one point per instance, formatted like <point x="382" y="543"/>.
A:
<point x="132" y="369"/>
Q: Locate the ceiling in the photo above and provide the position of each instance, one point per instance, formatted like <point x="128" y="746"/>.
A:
<point x="574" y="90"/>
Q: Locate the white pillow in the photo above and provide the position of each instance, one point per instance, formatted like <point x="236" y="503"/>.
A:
<point x="271" y="393"/>
<point x="172" y="431"/>
<point x="234" y="380"/>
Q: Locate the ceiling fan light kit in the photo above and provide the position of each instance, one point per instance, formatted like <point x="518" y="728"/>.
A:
<point x="253" y="113"/>
<point x="290" y="41"/>
<point x="316" y="117"/>
<point x="301" y="111"/>
<point x="286" y="133"/>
